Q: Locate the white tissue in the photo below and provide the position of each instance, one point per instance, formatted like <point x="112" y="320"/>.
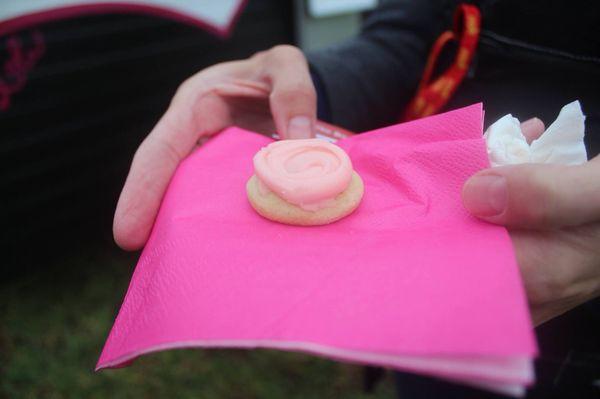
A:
<point x="561" y="143"/>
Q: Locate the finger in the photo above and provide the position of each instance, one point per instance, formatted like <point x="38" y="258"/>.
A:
<point x="293" y="99"/>
<point x="532" y="129"/>
<point x="243" y="88"/>
<point x="155" y="161"/>
<point x="536" y="196"/>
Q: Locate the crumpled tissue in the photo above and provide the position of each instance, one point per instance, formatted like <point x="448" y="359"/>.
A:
<point x="561" y="143"/>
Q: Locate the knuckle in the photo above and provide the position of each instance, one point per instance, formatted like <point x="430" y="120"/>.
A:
<point x="557" y="286"/>
<point x="299" y="92"/>
<point x="170" y="151"/>
<point x="184" y="86"/>
<point x="186" y="92"/>
<point x="542" y="287"/>
<point x="542" y="197"/>
<point x="194" y="87"/>
<point x="188" y="96"/>
<point x="260" y="54"/>
<point x="538" y="212"/>
<point x="286" y="52"/>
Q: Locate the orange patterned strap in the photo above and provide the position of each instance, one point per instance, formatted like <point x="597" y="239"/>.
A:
<point x="433" y="95"/>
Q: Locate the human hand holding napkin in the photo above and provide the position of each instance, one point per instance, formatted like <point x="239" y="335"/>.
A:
<point x="270" y="91"/>
<point x="551" y="204"/>
<point x="409" y="280"/>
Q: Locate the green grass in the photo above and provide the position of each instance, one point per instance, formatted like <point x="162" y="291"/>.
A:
<point x="53" y="323"/>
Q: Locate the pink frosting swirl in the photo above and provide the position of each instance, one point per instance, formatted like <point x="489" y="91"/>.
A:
<point x="308" y="173"/>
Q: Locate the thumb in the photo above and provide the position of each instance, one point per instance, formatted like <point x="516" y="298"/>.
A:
<point x="535" y="196"/>
<point x="293" y="98"/>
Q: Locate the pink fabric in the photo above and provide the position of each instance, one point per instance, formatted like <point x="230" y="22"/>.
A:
<point x="410" y="274"/>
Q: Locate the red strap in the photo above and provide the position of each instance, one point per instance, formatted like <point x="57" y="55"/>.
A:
<point x="432" y="96"/>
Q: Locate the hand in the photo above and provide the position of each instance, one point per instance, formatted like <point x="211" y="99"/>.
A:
<point x="553" y="216"/>
<point x="271" y="91"/>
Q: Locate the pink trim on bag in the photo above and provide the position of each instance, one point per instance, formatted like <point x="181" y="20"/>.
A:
<point x="26" y="21"/>
<point x="13" y="76"/>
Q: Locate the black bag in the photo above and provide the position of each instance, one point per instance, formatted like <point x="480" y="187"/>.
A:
<point x="79" y="100"/>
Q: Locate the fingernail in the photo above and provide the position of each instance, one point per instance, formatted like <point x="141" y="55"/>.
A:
<point x="533" y="123"/>
<point x="532" y="129"/>
<point x="486" y="195"/>
<point x="299" y="128"/>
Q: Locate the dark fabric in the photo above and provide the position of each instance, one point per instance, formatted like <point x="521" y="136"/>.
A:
<point x="533" y="58"/>
<point x="67" y="139"/>
<point x="323" y="110"/>
<point x="369" y="78"/>
<point x="567" y="26"/>
<point x="519" y="71"/>
<point x="413" y="386"/>
<point x="568" y="366"/>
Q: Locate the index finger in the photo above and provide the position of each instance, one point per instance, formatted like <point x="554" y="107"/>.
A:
<point x="293" y="98"/>
<point x="532" y="129"/>
<point x="174" y="136"/>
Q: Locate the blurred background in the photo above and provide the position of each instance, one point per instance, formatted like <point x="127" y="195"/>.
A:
<point x="79" y="90"/>
<point x="94" y="84"/>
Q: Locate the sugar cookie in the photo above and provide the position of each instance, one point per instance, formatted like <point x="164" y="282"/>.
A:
<point x="304" y="182"/>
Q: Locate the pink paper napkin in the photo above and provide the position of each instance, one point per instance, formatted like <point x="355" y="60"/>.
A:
<point x="410" y="280"/>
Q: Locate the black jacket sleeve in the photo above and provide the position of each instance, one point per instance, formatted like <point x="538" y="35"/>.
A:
<point x="369" y="79"/>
